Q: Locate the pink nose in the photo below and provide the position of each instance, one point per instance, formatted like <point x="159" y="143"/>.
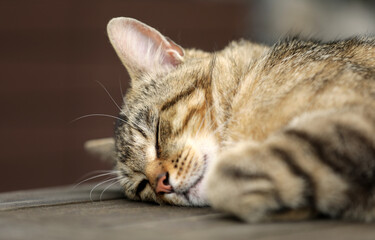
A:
<point x="162" y="185"/>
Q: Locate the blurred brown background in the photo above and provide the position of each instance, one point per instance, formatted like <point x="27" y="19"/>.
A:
<point x="52" y="53"/>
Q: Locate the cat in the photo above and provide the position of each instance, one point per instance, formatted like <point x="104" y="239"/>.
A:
<point x="267" y="133"/>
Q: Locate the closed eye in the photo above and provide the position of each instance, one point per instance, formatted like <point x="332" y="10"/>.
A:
<point x="141" y="186"/>
<point x="157" y="147"/>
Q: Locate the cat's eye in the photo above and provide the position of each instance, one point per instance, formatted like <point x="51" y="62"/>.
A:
<point x="157" y="147"/>
<point x="141" y="186"/>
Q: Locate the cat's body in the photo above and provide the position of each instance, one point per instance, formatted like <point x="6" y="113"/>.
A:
<point x="301" y="134"/>
<point x="266" y="133"/>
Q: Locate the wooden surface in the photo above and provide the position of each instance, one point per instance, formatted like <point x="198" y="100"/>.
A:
<point x="67" y="213"/>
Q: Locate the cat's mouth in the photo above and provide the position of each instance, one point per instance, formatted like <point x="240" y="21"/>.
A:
<point x="193" y="187"/>
<point x="194" y="195"/>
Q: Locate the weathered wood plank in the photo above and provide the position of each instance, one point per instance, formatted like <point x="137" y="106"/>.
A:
<point x="79" y="218"/>
<point x="56" y="196"/>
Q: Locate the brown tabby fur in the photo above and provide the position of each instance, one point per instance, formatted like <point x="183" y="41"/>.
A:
<point x="285" y="132"/>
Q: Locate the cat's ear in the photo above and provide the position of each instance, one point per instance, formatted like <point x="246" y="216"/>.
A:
<point x="141" y="48"/>
<point x="104" y="148"/>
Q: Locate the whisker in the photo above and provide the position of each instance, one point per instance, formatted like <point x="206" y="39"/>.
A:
<point x="110" y="185"/>
<point x="96" y="176"/>
<point x="107" y="115"/>
<point x="94" y="172"/>
<point x="131" y="121"/>
<point x="211" y="126"/>
<point x="110" y="96"/>
<point x="122" y="93"/>
<point x="204" y="119"/>
<point x="201" y="124"/>
<point x="97" y="115"/>
<point x="101" y="183"/>
<point x="223" y="125"/>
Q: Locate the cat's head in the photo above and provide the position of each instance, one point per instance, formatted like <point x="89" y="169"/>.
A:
<point x="165" y="138"/>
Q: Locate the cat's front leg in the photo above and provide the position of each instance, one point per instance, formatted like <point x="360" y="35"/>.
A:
<point x="249" y="181"/>
<point x="321" y="162"/>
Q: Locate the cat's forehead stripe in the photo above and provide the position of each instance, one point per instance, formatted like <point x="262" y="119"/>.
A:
<point x="188" y="117"/>
<point x="177" y="98"/>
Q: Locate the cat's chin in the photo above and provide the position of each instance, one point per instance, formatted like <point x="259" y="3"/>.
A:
<point x="195" y="196"/>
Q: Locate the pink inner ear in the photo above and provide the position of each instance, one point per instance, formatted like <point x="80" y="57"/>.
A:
<point x="141" y="48"/>
<point x="172" y="53"/>
<point x="175" y="47"/>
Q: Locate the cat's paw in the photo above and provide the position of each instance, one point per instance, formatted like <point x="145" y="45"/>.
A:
<point x="243" y="182"/>
<point x="237" y="184"/>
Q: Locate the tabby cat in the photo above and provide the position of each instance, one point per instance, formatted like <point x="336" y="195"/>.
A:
<point x="285" y="132"/>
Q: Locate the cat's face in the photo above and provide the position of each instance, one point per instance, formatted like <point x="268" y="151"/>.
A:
<point x="165" y="140"/>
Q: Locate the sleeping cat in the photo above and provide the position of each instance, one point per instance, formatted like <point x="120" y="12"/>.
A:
<point x="285" y="132"/>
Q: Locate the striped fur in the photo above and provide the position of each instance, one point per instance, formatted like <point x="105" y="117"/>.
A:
<point x="285" y="132"/>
